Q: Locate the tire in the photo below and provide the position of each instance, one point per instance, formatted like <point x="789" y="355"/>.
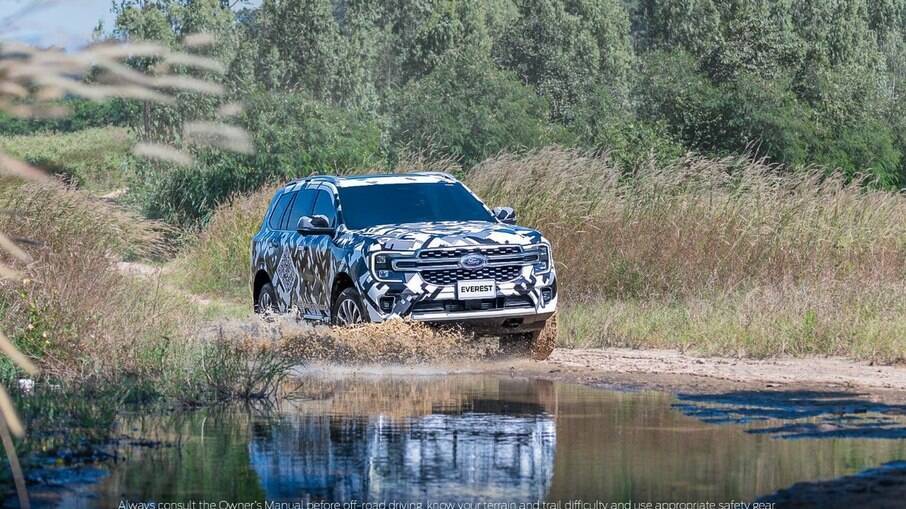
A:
<point x="348" y="309"/>
<point x="544" y="341"/>
<point x="267" y="300"/>
<point x="538" y="344"/>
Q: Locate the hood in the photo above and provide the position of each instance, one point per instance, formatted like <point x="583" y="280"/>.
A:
<point x="411" y="236"/>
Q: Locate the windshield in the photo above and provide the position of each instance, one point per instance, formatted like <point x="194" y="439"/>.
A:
<point x="366" y="206"/>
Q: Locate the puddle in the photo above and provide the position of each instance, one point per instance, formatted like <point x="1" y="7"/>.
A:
<point x="480" y="438"/>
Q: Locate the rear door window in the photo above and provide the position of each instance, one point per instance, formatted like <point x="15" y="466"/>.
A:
<point x="276" y="220"/>
<point x="301" y="207"/>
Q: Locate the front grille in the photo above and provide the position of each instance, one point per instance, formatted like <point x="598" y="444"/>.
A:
<point x="451" y="276"/>
<point x="462" y="251"/>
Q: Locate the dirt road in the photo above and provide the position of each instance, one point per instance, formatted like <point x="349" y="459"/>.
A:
<point x="674" y="372"/>
<point x="830" y="372"/>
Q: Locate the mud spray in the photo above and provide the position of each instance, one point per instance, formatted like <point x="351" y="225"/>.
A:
<point x="390" y="342"/>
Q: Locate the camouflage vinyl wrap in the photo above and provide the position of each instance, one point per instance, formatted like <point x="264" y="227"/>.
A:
<point x="306" y="269"/>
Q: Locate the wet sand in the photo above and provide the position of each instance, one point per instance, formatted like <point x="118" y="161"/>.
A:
<point x="676" y="372"/>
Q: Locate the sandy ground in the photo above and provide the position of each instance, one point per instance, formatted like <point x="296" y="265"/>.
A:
<point x="675" y="372"/>
<point x="767" y="373"/>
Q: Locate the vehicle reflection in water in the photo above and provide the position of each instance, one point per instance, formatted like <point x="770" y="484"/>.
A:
<point x="371" y="445"/>
<point x="458" y="438"/>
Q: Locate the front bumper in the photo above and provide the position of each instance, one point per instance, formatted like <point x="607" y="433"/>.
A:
<point x="521" y="305"/>
<point x="500" y="321"/>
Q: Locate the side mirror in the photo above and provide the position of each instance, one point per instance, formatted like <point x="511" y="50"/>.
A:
<point x="315" y="225"/>
<point x="505" y="214"/>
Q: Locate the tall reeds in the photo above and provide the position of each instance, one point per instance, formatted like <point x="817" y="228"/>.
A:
<point x="697" y="224"/>
<point x="725" y="256"/>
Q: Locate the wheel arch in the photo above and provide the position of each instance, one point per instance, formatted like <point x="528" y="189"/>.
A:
<point x="261" y="279"/>
<point x="341" y="282"/>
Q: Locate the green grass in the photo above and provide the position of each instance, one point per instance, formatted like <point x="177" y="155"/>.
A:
<point x="217" y="264"/>
<point x="93" y="159"/>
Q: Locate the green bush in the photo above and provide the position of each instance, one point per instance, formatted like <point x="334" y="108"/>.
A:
<point x="83" y="114"/>
<point x="294" y="137"/>
<point x="863" y="147"/>
<point x="602" y="125"/>
<point x="764" y="117"/>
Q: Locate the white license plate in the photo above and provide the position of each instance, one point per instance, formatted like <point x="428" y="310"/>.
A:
<point x="476" y="289"/>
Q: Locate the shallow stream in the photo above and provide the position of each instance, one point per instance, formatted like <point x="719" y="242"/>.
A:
<point x="483" y="438"/>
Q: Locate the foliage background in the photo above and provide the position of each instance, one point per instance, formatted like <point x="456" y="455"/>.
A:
<point x="332" y="85"/>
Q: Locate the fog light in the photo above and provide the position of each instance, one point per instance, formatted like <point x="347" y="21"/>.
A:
<point x="387" y="304"/>
<point x="547" y="294"/>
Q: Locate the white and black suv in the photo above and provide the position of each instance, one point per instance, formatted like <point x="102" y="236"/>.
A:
<point x="420" y="245"/>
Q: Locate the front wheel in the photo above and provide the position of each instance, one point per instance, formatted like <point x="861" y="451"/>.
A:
<point x="537" y="344"/>
<point x="543" y="341"/>
<point x="348" y="309"/>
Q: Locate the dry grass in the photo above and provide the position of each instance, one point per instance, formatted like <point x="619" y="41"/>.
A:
<point x="218" y="262"/>
<point x="729" y="256"/>
<point x="53" y="217"/>
<point x="696" y="225"/>
<point x="81" y="319"/>
<point x="93" y="327"/>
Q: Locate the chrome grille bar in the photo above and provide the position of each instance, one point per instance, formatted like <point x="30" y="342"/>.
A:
<point x="427" y="259"/>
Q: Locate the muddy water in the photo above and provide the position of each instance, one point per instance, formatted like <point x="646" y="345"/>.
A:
<point x="478" y="438"/>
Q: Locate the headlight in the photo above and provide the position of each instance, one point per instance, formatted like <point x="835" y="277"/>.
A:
<point x="543" y="264"/>
<point x="382" y="266"/>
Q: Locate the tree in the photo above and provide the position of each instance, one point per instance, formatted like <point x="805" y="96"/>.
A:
<point x="301" y="47"/>
<point x="568" y="50"/>
<point x="469" y="109"/>
<point x="170" y="22"/>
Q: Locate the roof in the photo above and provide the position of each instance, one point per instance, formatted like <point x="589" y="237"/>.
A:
<point x="378" y="179"/>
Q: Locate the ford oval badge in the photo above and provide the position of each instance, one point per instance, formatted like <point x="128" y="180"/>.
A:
<point x="473" y="261"/>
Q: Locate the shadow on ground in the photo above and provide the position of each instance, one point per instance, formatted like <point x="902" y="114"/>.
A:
<point x="812" y="414"/>
<point x="877" y="488"/>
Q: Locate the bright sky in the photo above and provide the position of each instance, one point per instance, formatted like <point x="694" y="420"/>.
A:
<point x="66" y="23"/>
